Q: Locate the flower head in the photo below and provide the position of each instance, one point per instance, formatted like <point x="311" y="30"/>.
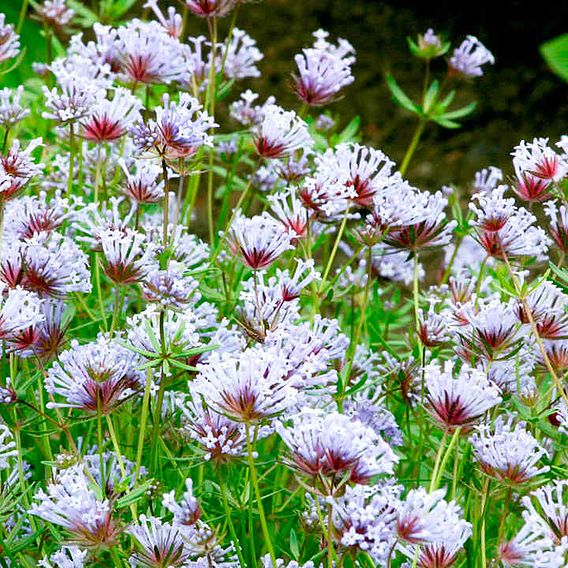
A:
<point x="469" y="57"/>
<point x="460" y="401"/>
<point x="259" y="240"/>
<point x="211" y="8"/>
<point x="508" y="451"/>
<point x="72" y="503"/>
<point x="95" y="377"/>
<point x="333" y="445"/>
<point x="247" y="387"/>
<point x="9" y="40"/>
<point x="281" y="133"/>
<point x="11" y="110"/>
<point x="178" y="130"/>
<point x="128" y="257"/>
<point x="323" y="70"/>
<point x="110" y="119"/>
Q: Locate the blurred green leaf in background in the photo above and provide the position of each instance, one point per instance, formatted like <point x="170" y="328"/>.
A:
<point x="555" y="53"/>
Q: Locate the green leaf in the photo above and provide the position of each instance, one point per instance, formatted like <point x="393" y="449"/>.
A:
<point x="401" y="98"/>
<point x="460" y="112"/>
<point x="430" y="96"/>
<point x="350" y="131"/>
<point x="294" y="545"/>
<point x="443" y="105"/>
<point x="135" y="495"/>
<point x="445" y="122"/>
<point x="555" y="53"/>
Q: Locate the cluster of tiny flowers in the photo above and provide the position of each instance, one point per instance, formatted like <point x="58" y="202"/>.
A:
<point x="236" y="335"/>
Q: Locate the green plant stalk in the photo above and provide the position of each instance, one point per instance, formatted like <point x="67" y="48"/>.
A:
<point x="446" y="457"/>
<point x="211" y="96"/>
<point x="557" y="383"/>
<point x="483" y="544"/>
<point x="412" y="146"/>
<point x="437" y="462"/>
<point x="329" y="536"/>
<point x="99" y="291"/>
<point x="100" y="447"/>
<point x="232" y="530"/>
<point x="71" y="160"/>
<point x="334" y="249"/>
<point x="254" y="481"/>
<point x="143" y="421"/>
<point x="118" y="301"/>
<point x="416" y="295"/>
<point x="166" y="205"/>
<point x="448" y="271"/>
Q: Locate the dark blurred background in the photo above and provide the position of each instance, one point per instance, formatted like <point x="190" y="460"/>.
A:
<point x="518" y="97"/>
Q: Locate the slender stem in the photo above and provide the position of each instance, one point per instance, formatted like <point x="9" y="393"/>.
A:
<point x="415" y="294"/>
<point x="5" y="143"/>
<point x="228" y="515"/>
<point x="143" y="421"/>
<point x="437" y="462"/>
<point x="166" y="204"/>
<point x="160" y="399"/>
<point x="483" y="517"/>
<point x="22" y="16"/>
<point x="480" y="278"/>
<point x="448" y="271"/>
<point x="117" y="307"/>
<point x="446" y="457"/>
<point x="329" y="536"/>
<point x="100" y="447"/>
<point x="412" y="146"/>
<point x="505" y="514"/>
<point x="99" y="291"/>
<point x="334" y="249"/>
<point x="557" y="382"/>
<point x="254" y="481"/>
<point x="71" y="160"/>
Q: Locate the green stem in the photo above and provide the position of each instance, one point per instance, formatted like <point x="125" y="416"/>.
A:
<point x="412" y="146"/>
<point x="71" y="160"/>
<point x="446" y="457"/>
<point x="254" y="481"/>
<point x="143" y="421"/>
<point x="416" y="299"/>
<point x="334" y="249"/>
<point x="166" y="204"/>
<point x="232" y="530"/>
<point x="437" y="462"/>
<point x="329" y="536"/>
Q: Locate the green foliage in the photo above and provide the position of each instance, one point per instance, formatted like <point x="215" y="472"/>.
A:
<point x="555" y="53"/>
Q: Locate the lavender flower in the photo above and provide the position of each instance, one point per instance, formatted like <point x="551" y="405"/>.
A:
<point x="247" y="387"/>
<point x="281" y="133"/>
<point x="508" y="451"/>
<point x="469" y="57"/>
<point x="11" y="110"/>
<point x="178" y="131"/>
<point x="211" y="8"/>
<point x="323" y="70"/>
<point x="68" y="557"/>
<point x="72" y="503"/>
<point x="9" y="40"/>
<point x="96" y="377"/>
<point x="110" y="119"/>
<point x="259" y="240"/>
<point x="460" y="401"/>
<point x="128" y="258"/>
<point x="332" y="445"/>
